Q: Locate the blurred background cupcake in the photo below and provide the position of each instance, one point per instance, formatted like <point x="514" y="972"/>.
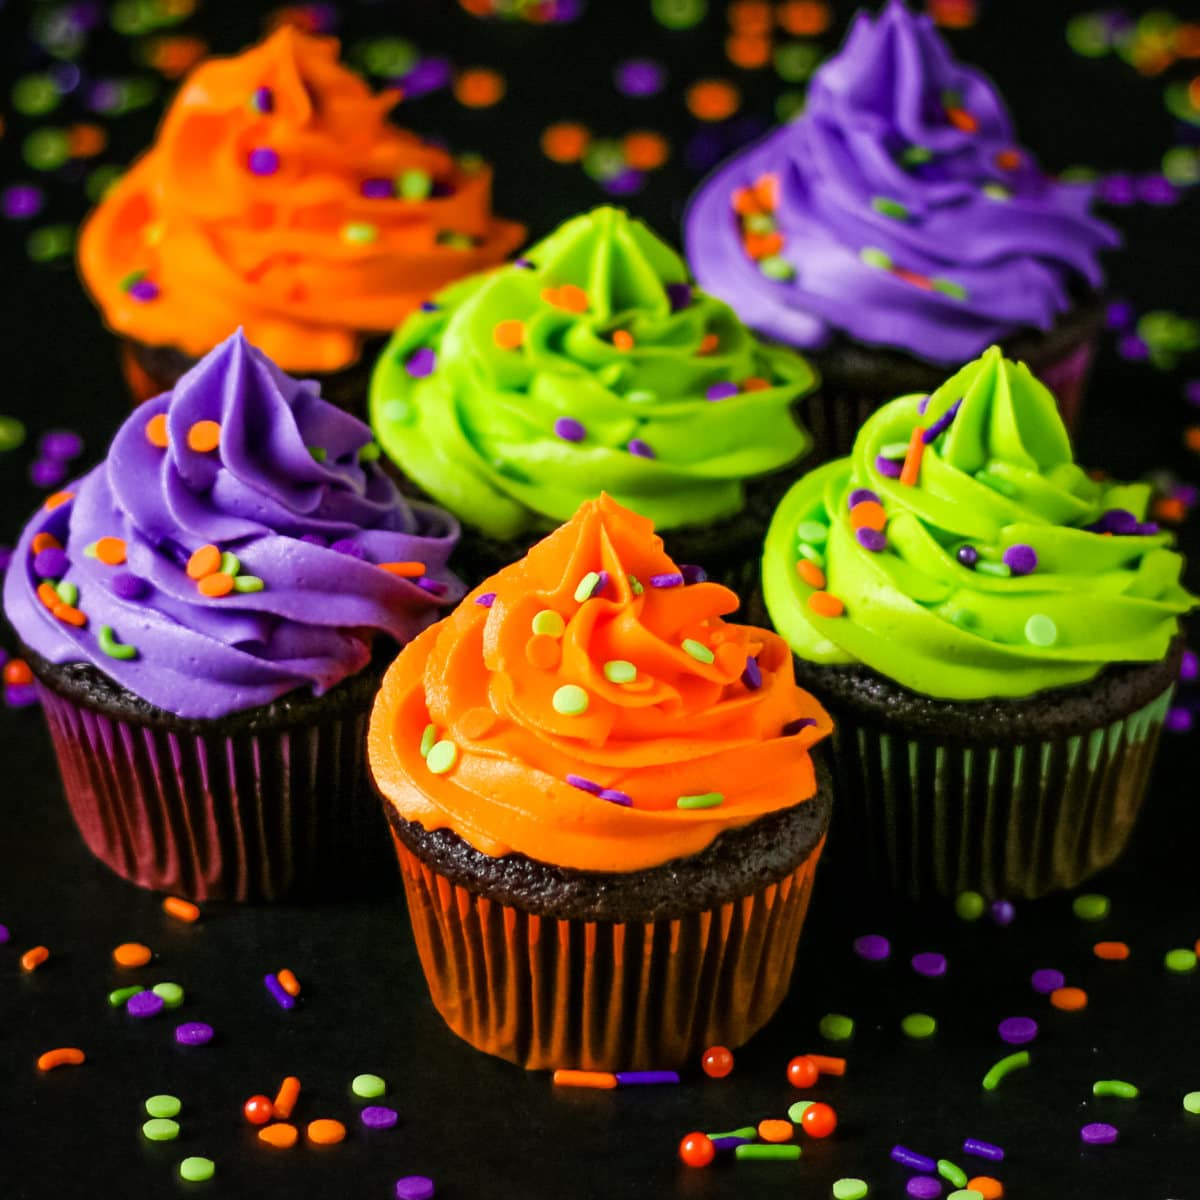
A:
<point x="996" y="634"/>
<point x="208" y="613"/>
<point x="605" y="805"/>
<point x="897" y="228"/>
<point x="592" y="364"/>
<point x="278" y="197"/>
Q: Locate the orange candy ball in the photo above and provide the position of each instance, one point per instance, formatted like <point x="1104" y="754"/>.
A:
<point x="717" y="1062"/>
<point x="697" y="1150"/>
<point x="802" y="1072"/>
<point x="819" y="1120"/>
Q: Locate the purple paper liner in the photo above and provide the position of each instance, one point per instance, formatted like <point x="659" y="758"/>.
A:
<point x="269" y="814"/>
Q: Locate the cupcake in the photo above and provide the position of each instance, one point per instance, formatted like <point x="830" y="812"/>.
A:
<point x="605" y="805"/>
<point x="279" y="198"/>
<point x="995" y="632"/>
<point x="207" y="614"/>
<point x="592" y="364"/>
<point x="896" y="229"/>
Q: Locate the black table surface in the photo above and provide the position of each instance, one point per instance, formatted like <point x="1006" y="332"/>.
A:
<point x="477" y="1126"/>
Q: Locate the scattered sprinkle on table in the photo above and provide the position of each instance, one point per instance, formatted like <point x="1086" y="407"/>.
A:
<point x="193" y="1033"/>
<point x="197" y="1169"/>
<point x="414" y="1187"/>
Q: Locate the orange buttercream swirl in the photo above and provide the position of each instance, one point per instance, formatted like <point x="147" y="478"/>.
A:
<point x="279" y="197"/>
<point x="588" y="708"/>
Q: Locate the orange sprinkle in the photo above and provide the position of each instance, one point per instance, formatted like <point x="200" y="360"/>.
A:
<point x="565" y="142"/>
<point x="569" y="297"/>
<point x="766" y="188"/>
<point x="750" y="16"/>
<point x="156" y="431"/>
<point x="713" y="99"/>
<point x="32" y="959"/>
<point x="811" y="573"/>
<point x="475" y="723"/>
<point x="961" y="119"/>
<point x="645" y="150"/>
<point x="826" y="605"/>
<point x="622" y="339"/>
<point x="750" y="51"/>
<point x="911" y="471"/>
<point x="987" y="1187"/>
<point x="869" y="514"/>
<point x="508" y="335"/>
<point x="479" y="87"/>
<point x="1111" y="951"/>
<point x="755" y="383"/>
<point x="204" y="562"/>
<point x="1170" y="509"/>
<point x="1069" y="999"/>
<point x="86" y="141"/>
<point x="64" y="1056"/>
<point x="762" y="245"/>
<point x="745" y="202"/>
<point x="827" y="1065"/>
<point x="776" y="1130"/>
<point x="216" y="586"/>
<point x="280" y="1135"/>
<point x="175" y="56"/>
<point x="326" y="1132"/>
<point x="708" y="344"/>
<point x="585" y="1079"/>
<point x="1191" y="437"/>
<point x="917" y="280"/>
<point x="285" y="1099"/>
<point x="57" y="499"/>
<point x="289" y="982"/>
<point x="406" y="570"/>
<point x="204" y="436"/>
<point x="17" y="672"/>
<point x="180" y="909"/>
<point x="1008" y="160"/>
<point x="132" y="954"/>
<point x="543" y="652"/>
<point x="45" y="541"/>
<point x="47" y="595"/>
<point x="1187" y="40"/>
<point x="111" y="551"/>
<point x="804" y="18"/>
<point x="69" y="615"/>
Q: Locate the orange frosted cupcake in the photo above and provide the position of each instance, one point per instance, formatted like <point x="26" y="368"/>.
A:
<point x="605" y="805"/>
<point x="279" y="198"/>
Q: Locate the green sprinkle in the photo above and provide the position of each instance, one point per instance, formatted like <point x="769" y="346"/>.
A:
<point x="1115" y="1087"/>
<point x="89" y="551"/>
<point x="618" y="670"/>
<point x="813" y="531"/>
<point x="947" y="287"/>
<point x="50" y="242"/>
<point x="849" y="1189"/>
<point x="171" y="994"/>
<point x="35" y="95"/>
<point x="767" y="1153"/>
<point x="918" y="1026"/>
<point x="359" y="233"/>
<point x="367" y="1087"/>
<point x="110" y="646"/>
<point x="46" y="149"/>
<point x="414" y="185"/>
<point x="586" y="586"/>
<point x="794" y="61"/>
<point x="319" y="453"/>
<point x="679" y="14"/>
<point x="635" y="585"/>
<point x="570" y="700"/>
<point x="965" y="1194"/>
<point x="428" y="737"/>
<point x="704" y="800"/>
<point x="996" y="191"/>
<point x="99" y="181"/>
<point x="1180" y="961"/>
<point x="117" y="999"/>
<point x="641" y="396"/>
<point x="248" y="583"/>
<point x="163" y="1106"/>
<point x="698" y="650"/>
<point x="230" y="564"/>
<point x="775" y="266"/>
<point x="1090" y="906"/>
<point x="893" y="450"/>
<point x="812" y="554"/>
<point x="876" y="258"/>
<point x="441" y="757"/>
<point x="12" y="433"/>
<point x="915" y="155"/>
<point x="196" y="1169"/>
<point x="760" y="223"/>
<point x="549" y="623"/>
<point x="398" y="412"/>
<point x="835" y="1027"/>
<point x="797" y="1110"/>
<point x="1040" y="630"/>
<point x="970" y="906"/>
<point x="369" y="453"/>
<point x="747" y="1131"/>
<point x="456" y="241"/>
<point x="1191" y="1102"/>
<point x="1012" y="1063"/>
<point x="887" y="207"/>
<point x="68" y="593"/>
<point x="997" y="570"/>
<point x="951" y="1173"/>
<point x="389" y="56"/>
<point x="160" y="1129"/>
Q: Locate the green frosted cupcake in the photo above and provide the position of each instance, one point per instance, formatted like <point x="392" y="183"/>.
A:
<point x="995" y="632"/>
<point x="592" y="364"/>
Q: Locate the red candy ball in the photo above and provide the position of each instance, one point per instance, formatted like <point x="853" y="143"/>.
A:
<point x="717" y="1062"/>
<point x="697" y="1150"/>
<point x="802" y="1072"/>
<point x="819" y="1120"/>
<point x="259" y="1110"/>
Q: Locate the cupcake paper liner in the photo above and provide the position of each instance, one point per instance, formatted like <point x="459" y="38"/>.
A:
<point x="269" y="814"/>
<point x="924" y="818"/>
<point x="545" y="993"/>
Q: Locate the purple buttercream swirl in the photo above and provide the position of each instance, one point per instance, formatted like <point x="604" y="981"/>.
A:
<point x="909" y="216"/>
<point x="312" y="531"/>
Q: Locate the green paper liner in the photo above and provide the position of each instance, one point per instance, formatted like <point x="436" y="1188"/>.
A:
<point x="925" y="819"/>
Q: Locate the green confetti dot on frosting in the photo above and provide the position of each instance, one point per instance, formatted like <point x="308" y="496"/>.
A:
<point x="812" y="554"/>
<point x="874" y="257"/>
<point x="947" y="287"/>
<point x="850" y="1188"/>
<point x="160" y="1129"/>
<point x="570" y="700"/>
<point x="775" y="266"/>
<point x="618" y="670"/>
<point x="888" y="207"/>
<point x="319" y="453"/>
<point x="370" y="452"/>
<point x="428" y="737"/>
<point x="698" y="650"/>
<point x="1191" y="1102"/>
<point x="703" y="800"/>
<point x="359" y="233"/>
<point x="171" y="994"/>
<point x="548" y="623"/>
<point x="68" y="593"/>
<point x="635" y="585"/>
<point x="760" y="223"/>
<point x="836" y="1027"/>
<point x="996" y="191"/>
<point x="1040" y="630"/>
<point x="441" y="757"/>
<point x="230" y="563"/>
<point x="997" y="570"/>
<point x="797" y="1110"/>
<point x="915" y="155"/>
<point x="12" y="433"/>
<point x="367" y="1087"/>
<point x="813" y="531"/>
<point x="248" y="583"/>
<point x="414" y="185"/>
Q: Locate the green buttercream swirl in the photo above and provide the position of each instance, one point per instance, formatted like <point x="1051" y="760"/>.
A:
<point x="478" y="432"/>
<point x="1002" y="475"/>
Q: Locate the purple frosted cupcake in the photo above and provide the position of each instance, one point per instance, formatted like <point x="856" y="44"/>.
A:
<point x="207" y="614"/>
<point x="897" y="228"/>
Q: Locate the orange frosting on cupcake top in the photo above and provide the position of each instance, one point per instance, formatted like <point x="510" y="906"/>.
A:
<point x="279" y="197"/>
<point x="588" y="707"/>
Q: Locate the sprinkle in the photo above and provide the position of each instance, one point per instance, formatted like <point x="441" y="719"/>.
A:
<point x="887" y="467"/>
<point x="378" y="1116"/>
<point x="849" y="1188"/>
<point x="1047" y="980"/>
<point x="194" y="1033"/>
<point x="325" y="1132"/>
<point x="56" y="500"/>
<point x="32" y="959"/>
<point x="827" y="1065"/>
<point x="248" y="583"/>
<point x="548" y="622"/>
<point x="922" y="1187"/>
<point x="144" y="291"/>
<point x="889" y="208"/>
<point x="911" y="470"/>
<point x="874" y="257"/>
<point x="160" y="1129"/>
<point x="1099" y="1134"/>
<point x="868" y="514"/>
<point x="569" y="429"/>
<point x="1191" y="1102"/>
<point x="111" y="551"/>
<point x="368" y="1087"/>
<point x="197" y="1169"/>
<point x="813" y="531"/>
<point x="204" y="436"/>
<point x="286" y="1097"/>
<point x="280" y="997"/>
<point x="543" y="652"/>
<point x="263" y="161"/>
<point x="485" y="599"/>
<point x="1090" y="906"/>
<point x="132" y="954"/>
<point x="441" y="757"/>
<point x="585" y="1079"/>
<point x="428" y="736"/>
<point x="752" y="674"/>
<point x="622" y="340"/>
<point x="918" y="1026"/>
<point x="709" y="344"/>
<point x="667" y="580"/>
<point x="215" y="586"/>
<point x="508" y="335"/>
<point x="262" y="100"/>
<point x="421" y="363"/>
<point x="983" y="1150"/>
<point x="289" y="982"/>
<point x="204" y="562"/>
<point x="873" y="947"/>
<point x="64" y="1056"/>
<point x="947" y="287"/>
<point x="569" y="297"/>
<point x="951" y="1172"/>
<point x="721" y="391"/>
<point x="871" y="539"/>
<point x="644" y="1078"/>
<point x="910" y="1158"/>
<point x="929" y="963"/>
<point x="145" y="1004"/>
<point x="405" y="570"/>
<point x="692" y="573"/>
<point x="698" y="650"/>
<point x="775" y="266"/>
<point x="615" y="797"/>
<point x="592" y="583"/>
<point x="619" y="670"/>
<point x="704" y="800"/>
<point x="1115" y="1087"/>
<point x="1040" y="630"/>
<point x="752" y="1153"/>
<point x="171" y="994"/>
<point x="826" y="605"/>
<point x="584" y="785"/>
<point x="118" y="997"/>
<point x="414" y="184"/>
<point x="414" y="1187"/>
<point x="999" y="1070"/>
<point x="68" y="593"/>
<point x="835" y="1027"/>
<point x="156" y="431"/>
<point x="1181" y="961"/>
<point x="942" y="423"/>
<point x="967" y="555"/>
<point x="570" y="700"/>
<point x="45" y="541"/>
<point x="776" y="1130"/>
<point x="50" y="563"/>
<point x="163" y="1107"/>
<point x="280" y="1135"/>
<point x="109" y="645"/>
<point x="1021" y="559"/>
<point x="794" y="727"/>
<point x="961" y="119"/>
<point x="1111" y="951"/>
<point x="640" y="448"/>
<point x="1016" y="1031"/>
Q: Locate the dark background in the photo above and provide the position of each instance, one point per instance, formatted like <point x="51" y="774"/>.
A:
<point x="479" y="1127"/>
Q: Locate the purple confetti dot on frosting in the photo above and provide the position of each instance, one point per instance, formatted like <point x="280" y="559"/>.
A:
<point x="429" y="306"/>
<point x="888" y="467"/>
<point x="692" y="573"/>
<point x="679" y="295"/>
<point x="1154" y="189"/>
<point x="128" y="586"/>
<point x="584" y="785"/>
<point x="1016" y="1031"/>
<point x="1046" y="980"/>
<point x="874" y="540"/>
<point x="1098" y="1133"/>
<point x="414" y="1187"/>
<point x="667" y="579"/>
<point x="602" y="581"/>
<point x="46" y="472"/>
<point x="264" y="99"/>
<point x="929" y="963"/>
<point x="640" y="448"/>
<point x="263" y="161"/>
<point x="63" y="444"/>
<point x="615" y="797"/>
<point x="721" y="391"/>
<point x="193" y="1033"/>
<point x="1021" y="559"/>
<point x="923" y="1187"/>
<point x="874" y="947"/>
<point x="378" y="189"/>
<point x="350" y="547"/>
<point x="1119" y="521"/>
<point x="569" y="429"/>
<point x="144" y="291"/>
<point x="1003" y="912"/>
<point x="1191" y="391"/>
<point x="639" y="77"/>
<point x="486" y="599"/>
<point x="861" y="496"/>
<point x="967" y="555"/>
<point x="50" y="563"/>
<point x="421" y="363"/>
<point x="144" y="1004"/>
<point x="923" y="404"/>
<point x="434" y="587"/>
<point x="379" y="1116"/>
<point x="752" y="675"/>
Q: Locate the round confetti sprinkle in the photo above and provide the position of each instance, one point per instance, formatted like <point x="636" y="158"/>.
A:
<point x="368" y="1087"/>
<point x="712" y="99"/>
<point x="160" y="1129"/>
<point x="873" y="947"/>
<point x="639" y="77"/>
<point x="1040" y="630"/>
<point x="923" y="1187"/>
<point x="163" y="1106"/>
<point x="441" y="757"/>
<point x="1180" y="961"/>
<point x="144" y="1004"/>
<point x="1002" y="912"/>
<point x="570" y="700"/>
<point x="1191" y="1103"/>
<point x="197" y="1169"/>
<point x="1047" y="980"/>
<point x="204" y="437"/>
<point x="378" y="1116"/>
<point x="325" y="1132"/>
<point x="171" y="994"/>
<point x="421" y="363"/>
<point x="836" y="1027"/>
<point x="1069" y="999"/>
<point x="1090" y="907"/>
<point x="263" y="161"/>
<point x="1016" y="1031"/>
<point x="969" y="906"/>
<point x="929" y="963"/>
<point x="918" y="1026"/>
<point x="194" y="1033"/>
<point x="414" y="1187"/>
<point x="849" y="1189"/>
<point x="569" y="429"/>
<point x="1098" y="1134"/>
<point x="617" y="670"/>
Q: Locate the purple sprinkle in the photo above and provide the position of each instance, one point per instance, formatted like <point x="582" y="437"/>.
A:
<point x="615" y="797"/>
<point x="1191" y="391"/>
<point x="625" y="183"/>
<point x="313" y="540"/>
<point x="20" y="695"/>
<point x="1116" y="189"/>
<point x="1154" y="189"/>
<point x="525" y="264"/>
<point x="51" y="563"/>
<point x="378" y="1116"/>
<point x="980" y="1149"/>
<point x="729" y="1143"/>
<point x="752" y="675"/>
<point x="929" y="963"/>
<point x="640" y="448"/>
<point x="429" y="306"/>
<point x="861" y="496"/>
<point x="923" y="404"/>
<point x="104" y="96"/>
<point x="585" y="785"/>
<point x="1178" y="720"/>
<point x="21" y="201"/>
<point x="1120" y="315"/>
<point x="1003" y="912"/>
<point x="602" y="581"/>
<point x="263" y="100"/>
<point x="1189" y="666"/>
<point x="1021" y="559"/>
<point x="377" y="189"/>
<point x="5" y="557"/>
<point x="1047" y="980"/>
<point x="666" y="580"/>
<point x="640" y="1078"/>
<point x="1147" y="529"/>
<point x="910" y="1158"/>
<point x="871" y="539"/>
<point x="428" y="75"/>
<point x="887" y="467"/>
<point x="350" y="547"/>
<point x="414" y="1187"/>
<point x="3" y="935"/>
<point x="1119" y="521"/>
<point x="679" y="295"/>
<point x="569" y="429"/>
<point x="1099" y="1134"/>
<point x="923" y="1187"/>
<point x="721" y="391"/>
<point x="144" y="1004"/>
<point x="874" y="947"/>
<point x="128" y="586"/>
<point x="434" y="587"/>
<point x="692" y="573"/>
<point x="144" y="291"/>
<point x="486" y="600"/>
<point x="943" y="423"/>
<point x="1133" y="348"/>
<point x="63" y="444"/>
<point x="421" y="363"/>
<point x="1016" y="1031"/>
<point x="793" y="727"/>
<point x="639" y="77"/>
<point x="263" y="161"/>
<point x="282" y="998"/>
<point x="193" y="1033"/>
<point x="46" y="472"/>
<point x="967" y="555"/>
